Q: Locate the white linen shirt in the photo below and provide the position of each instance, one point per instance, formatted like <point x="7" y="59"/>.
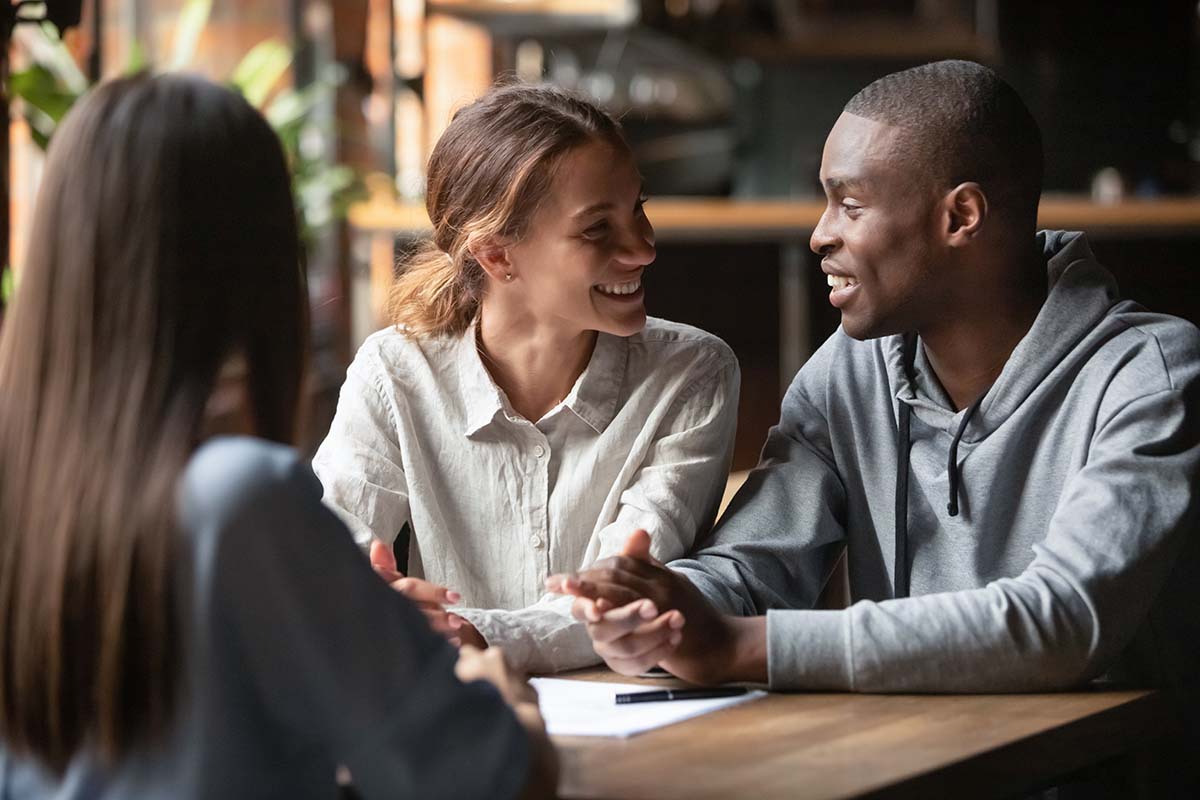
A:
<point x="496" y="503"/>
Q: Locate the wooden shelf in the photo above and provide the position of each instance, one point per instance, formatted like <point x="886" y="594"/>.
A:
<point x="726" y="219"/>
<point x="853" y="39"/>
<point x="528" y="16"/>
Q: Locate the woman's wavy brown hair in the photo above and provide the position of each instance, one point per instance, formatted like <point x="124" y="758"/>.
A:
<point x="164" y="242"/>
<point x="490" y="168"/>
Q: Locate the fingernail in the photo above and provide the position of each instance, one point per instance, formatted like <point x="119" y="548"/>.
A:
<point x="676" y="638"/>
<point x="676" y="621"/>
<point x="457" y="642"/>
<point x="452" y="596"/>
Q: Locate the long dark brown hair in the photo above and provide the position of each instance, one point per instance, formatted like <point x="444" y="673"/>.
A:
<point x="488" y="171"/>
<point x="164" y="242"/>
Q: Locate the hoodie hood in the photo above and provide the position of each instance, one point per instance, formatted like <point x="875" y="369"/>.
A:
<point x="1079" y="293"/>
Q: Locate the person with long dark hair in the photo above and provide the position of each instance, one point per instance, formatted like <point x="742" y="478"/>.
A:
<point x="164" y="609"/>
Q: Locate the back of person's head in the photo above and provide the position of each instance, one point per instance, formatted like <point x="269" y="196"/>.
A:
<point x="963" y="123"/>
<point x="488" y="171"/>
<point x="164" y="244"/>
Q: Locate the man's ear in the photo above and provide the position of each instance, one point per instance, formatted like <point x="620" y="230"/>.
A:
<point x="965" y="209"/>
<point x="493" y="257"/>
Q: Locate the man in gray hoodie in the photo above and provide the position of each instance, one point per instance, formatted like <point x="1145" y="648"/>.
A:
<point x="1007" y="451"/>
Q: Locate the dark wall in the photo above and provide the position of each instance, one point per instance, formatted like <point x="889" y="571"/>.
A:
<point x="1112" y="85"/>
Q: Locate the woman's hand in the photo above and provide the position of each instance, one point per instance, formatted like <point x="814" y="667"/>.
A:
<point x="429" y="597"/>
<point x="489" y="665"/>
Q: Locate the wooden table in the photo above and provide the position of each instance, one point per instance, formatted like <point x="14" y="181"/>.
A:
<point x="848" y="745"/>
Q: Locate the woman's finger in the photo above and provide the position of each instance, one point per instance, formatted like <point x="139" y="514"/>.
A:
<point x="634" y="643"/>
<point x="651" y="658"/>
<point x="388" y="574"/>
<point x="382" y="557"/>
<point x="422" y="591"/>
<point x="443" y="623"/>
<point x="622" y="621"/>
<point x="585" y="609"/>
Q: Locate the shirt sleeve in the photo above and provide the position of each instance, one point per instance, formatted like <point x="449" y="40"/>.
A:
<point x="784" y="529"/>
<point x="359" y="676"/>
<point x="360" y="464"/>
<point x="1111" y="544"/>
<point x="673" y="494"/>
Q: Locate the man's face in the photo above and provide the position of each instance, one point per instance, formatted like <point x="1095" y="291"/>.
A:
<point x="878" y="234"/>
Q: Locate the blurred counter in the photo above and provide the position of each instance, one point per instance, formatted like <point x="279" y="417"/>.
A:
<point x="726" y="219"/>
<point x="382" y="226"/>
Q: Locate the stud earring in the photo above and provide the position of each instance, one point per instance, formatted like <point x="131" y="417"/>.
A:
<point x="508" y="276"/>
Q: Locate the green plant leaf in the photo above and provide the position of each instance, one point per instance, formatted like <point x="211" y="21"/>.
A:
<point x="291" y="107"/>
<point x="39" y="87"/>
<point x="260" y="69"/>
<point x="188" y="27"/>
<point x="8" y="284"/>
<point x="39" y="138"/>
<point x="137" y="58"/>
<point x="46" y="49"/>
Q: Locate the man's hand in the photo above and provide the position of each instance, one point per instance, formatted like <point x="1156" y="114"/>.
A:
<point x="639" y="614"/>
<point x="429" y="597"/>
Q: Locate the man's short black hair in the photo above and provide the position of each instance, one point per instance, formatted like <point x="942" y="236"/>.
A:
<point x="963" y="123"/>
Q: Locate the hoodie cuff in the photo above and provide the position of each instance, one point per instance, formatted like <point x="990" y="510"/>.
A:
<point x="809" y="650"/>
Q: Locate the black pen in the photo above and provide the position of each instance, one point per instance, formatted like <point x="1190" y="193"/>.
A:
<point x="663" y="695"/>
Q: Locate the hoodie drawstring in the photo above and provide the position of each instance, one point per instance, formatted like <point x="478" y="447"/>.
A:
<point x="903" y="443"/>
<point x="952" y="466"/>
<point x="903" y="446"/>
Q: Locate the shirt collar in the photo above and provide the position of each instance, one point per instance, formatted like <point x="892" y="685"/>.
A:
<point x="593" y="398"/>
<point x="482" y="397"/>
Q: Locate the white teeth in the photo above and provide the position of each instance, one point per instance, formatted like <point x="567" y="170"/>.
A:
<point x="620" y="288"/>
<point x="840" y="282"/>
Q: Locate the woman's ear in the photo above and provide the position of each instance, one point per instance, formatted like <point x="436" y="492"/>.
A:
<point x="493" y="257"/>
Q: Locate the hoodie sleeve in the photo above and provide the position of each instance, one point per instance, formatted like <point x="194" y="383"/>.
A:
<point x="783" y="531"/>
<point x="1120" y="522"/>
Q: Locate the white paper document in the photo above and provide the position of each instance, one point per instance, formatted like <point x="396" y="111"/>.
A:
<point x="589" y="708"/>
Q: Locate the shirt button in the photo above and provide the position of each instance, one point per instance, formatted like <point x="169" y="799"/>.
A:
<point x="536" y="541"/>
<point x="539" y="451"/>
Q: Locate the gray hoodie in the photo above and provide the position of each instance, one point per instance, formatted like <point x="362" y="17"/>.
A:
<point x="1073" y="553"/>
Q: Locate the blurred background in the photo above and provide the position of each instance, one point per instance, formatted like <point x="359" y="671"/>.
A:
<point x="727" y="104"/>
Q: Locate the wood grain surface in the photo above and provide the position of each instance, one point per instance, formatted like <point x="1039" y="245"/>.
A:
<point x="857" y="745"/>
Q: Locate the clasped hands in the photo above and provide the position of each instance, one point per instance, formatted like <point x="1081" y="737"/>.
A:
<point x="640" y="614"/>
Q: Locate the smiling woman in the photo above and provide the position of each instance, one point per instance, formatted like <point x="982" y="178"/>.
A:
<point x="523" y="415"/>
